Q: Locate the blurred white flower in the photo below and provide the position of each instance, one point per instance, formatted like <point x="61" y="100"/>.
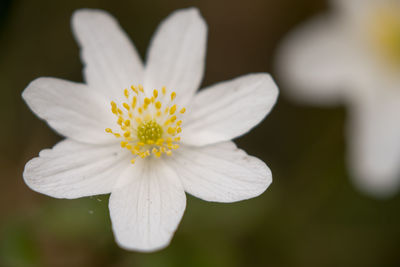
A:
<point x="352" y="55"/>
<point x="128" y="134"/>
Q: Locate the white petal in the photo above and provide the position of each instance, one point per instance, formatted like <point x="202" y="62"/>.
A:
<point x="111" y="60"/>
<point x="147" y="209"/>
<point x="220" y="172"/>
<point x="176" y="55"/>
<point x="72" y="109"/>
<point x="229" y="109"/>
<point x="72" y="170"/>
<point x="374" y="140"/>
<point x="317" y="61"/>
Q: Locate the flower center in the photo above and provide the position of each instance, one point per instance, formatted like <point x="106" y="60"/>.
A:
<point x="385" y="33"/>
<point x="149" y="131"/>
<point x="146" y="126"/>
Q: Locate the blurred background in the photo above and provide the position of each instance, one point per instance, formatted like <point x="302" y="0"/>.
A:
<point x="311" y="215"/>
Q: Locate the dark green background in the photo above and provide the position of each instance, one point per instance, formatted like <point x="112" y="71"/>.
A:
<point x="310" y="216"/>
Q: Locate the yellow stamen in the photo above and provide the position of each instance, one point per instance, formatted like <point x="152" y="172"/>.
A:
<point x="134" y="89"/>
<point x="134" y="100"/>
<point x="126" y="106"/>
<point x="141" y="88"/>
<point x="172" y="110"/>
<point x="145" y="129"/>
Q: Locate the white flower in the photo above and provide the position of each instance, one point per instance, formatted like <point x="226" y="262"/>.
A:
<point x="352" y="55"/>
<point x="128" y="134"/>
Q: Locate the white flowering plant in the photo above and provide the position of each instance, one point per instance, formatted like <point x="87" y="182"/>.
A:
<point x="351" y="55"/>
<point x="143" y="133"/>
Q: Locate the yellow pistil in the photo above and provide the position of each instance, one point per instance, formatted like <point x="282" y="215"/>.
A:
<point x="144" y="129"/>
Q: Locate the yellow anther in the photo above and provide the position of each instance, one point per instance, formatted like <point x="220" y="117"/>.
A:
<point x="169" y="140"/>
<point x="158" y="114"/>
<point x="134" y="89"/>
<point x="123" y="143"/>
<point x="167" y="122"/>
<point x="113" y="104"/>
<point x="158" y="105"/>
<point x="178" y="123"/>
<point x="138" y="120"/>
<point x="141" y="144"/>
<point x="173" y="118"/>
<point x="140" y="110"/>
<point x="129" y="147"/>
<point x="164" y="90"/>
<point x="133" y="161"/>
<point x="147" y="101"/>
<point x="178" y="129"/>
<point x="166" y="110"/>
<point x="176" y="146"/>
<point x="177" y="139"/>
<point x="126" y="93"/>
<point x="126" y="106"/>
<point x="183" y="110"/>
<point x="160" y="142"/>
<point x="108" y="130"/>
<point x="171" y="130"/>
<point x="169" y="153"/>
<point x="173" y="95"/>
<point x="120" y="111"/>
<point x="134" y="100"/>
<point x="120" y="120"/>
<point x="172" y="109"/>
<point x="117" y="135"/>
<point x="127" y="134"/>
<point x="127" y="122"/>
<point x="141" y="88"/>
<point x="154" y="150"/>
<point x="155" y="93"/>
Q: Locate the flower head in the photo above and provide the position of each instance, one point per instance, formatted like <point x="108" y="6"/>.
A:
<point x="146" y="126"/>
<point x="142" y="133"/>
<point x="352" y="55"/>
